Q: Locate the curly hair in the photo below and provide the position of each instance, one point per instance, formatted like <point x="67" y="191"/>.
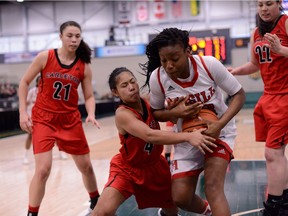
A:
<point x="168" y="37"/>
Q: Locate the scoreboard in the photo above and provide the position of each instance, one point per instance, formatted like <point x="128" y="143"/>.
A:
<point x="215" y="43"/>
<point x="210" y="46"/>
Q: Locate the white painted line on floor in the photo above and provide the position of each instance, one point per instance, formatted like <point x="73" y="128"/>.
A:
<point x="247" y="212"/>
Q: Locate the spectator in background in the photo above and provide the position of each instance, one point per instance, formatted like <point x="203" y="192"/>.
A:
<point x="7" y="90"/>
<point x="111" y="34"/>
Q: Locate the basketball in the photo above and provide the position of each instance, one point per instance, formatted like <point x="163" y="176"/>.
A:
<point x="191" y="124"/>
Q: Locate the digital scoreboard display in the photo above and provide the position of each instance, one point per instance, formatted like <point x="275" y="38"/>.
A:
<point x="215" y="43"/>
<point x="209" y="46"/>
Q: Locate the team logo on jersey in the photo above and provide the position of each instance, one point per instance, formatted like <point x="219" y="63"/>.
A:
<point x="221" y="151"/>
<point x="170" y="88"/>
<point x="60" y="75"/>
<point x="203" y="96"/>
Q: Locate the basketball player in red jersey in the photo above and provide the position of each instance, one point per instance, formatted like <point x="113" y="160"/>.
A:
<point x="140" y="169"/>
<point x="55" y="115"/>
<point x="173" y="73"/>
<point x="269" y="52"/>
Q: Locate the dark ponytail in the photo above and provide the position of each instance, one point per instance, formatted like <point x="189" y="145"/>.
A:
<point x="84" y="51"/>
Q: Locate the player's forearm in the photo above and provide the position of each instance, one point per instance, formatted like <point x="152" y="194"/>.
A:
<point x="165" y="115"/>
<point x="161" y="137"/>
<point x="234" y="107"/>
<point x="245" y="69"/>
<point x="90" y="106"/>
<point x="22" y="94"/>
<point x="283" y="51"/>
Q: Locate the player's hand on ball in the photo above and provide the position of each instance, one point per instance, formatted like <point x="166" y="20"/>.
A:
<point x="205" y="119"/>
<point x="201" y="141"/>
<point x="186" y="109"/>
<point x="170" y="103"/>
<point x="214" y="129"/>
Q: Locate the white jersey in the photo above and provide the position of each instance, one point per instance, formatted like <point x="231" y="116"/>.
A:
<point x="31" y="99"/>
<point x="205" y="84"/>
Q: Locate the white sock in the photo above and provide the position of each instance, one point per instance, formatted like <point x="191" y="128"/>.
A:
<point x="26" y="153"/>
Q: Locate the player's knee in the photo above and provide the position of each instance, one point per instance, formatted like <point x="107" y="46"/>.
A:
<point x="43" y="174"/>
<point x="87" y="169"/>
<point x="182" y="200"/>
<point x="271" y="155"/>
<point x="213" y="187"/>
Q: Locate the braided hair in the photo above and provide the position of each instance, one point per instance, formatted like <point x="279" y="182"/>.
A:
<point x="83" y="51"/>
<point x="168" y="37"/>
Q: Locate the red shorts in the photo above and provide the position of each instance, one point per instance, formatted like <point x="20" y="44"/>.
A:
<point x="271" y="120"/>
<point x="64" y="129"/>
<point x="151" y="185"/>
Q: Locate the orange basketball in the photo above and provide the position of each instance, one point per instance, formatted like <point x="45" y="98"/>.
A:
<point x="208" y="114"/>
<point x="191" y="124"/>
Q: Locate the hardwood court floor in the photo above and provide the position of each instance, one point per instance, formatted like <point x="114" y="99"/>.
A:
<point x="65" y="193"/>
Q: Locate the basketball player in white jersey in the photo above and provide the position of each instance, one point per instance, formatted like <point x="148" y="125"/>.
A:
<point x="192" y="82"/>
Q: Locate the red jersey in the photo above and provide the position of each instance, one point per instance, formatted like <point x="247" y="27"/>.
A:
<point x="136" y="151"/>
<point x="59" y="83"/>
<point x="273" y="67"/>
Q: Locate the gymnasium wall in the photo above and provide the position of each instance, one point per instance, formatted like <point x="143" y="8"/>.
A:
<point x="33" y="25"/>
<point x="102" y="67"/>
<point x="40" y="22"/>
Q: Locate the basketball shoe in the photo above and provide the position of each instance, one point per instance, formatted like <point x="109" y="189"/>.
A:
<point x="25" y="160"/>
<point x="271" y="209"/>
<point x="161" y="213"/>
<point x="283" y="209"/>
<point x="88" y="212"/>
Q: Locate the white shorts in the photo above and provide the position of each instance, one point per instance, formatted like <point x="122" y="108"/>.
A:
<point x="189" y="161"/>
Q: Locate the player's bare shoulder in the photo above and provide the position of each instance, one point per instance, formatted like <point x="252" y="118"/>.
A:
<point x="42" y="58"/>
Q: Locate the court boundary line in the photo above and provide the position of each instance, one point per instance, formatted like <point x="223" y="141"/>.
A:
<point x="247" y="212"/>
